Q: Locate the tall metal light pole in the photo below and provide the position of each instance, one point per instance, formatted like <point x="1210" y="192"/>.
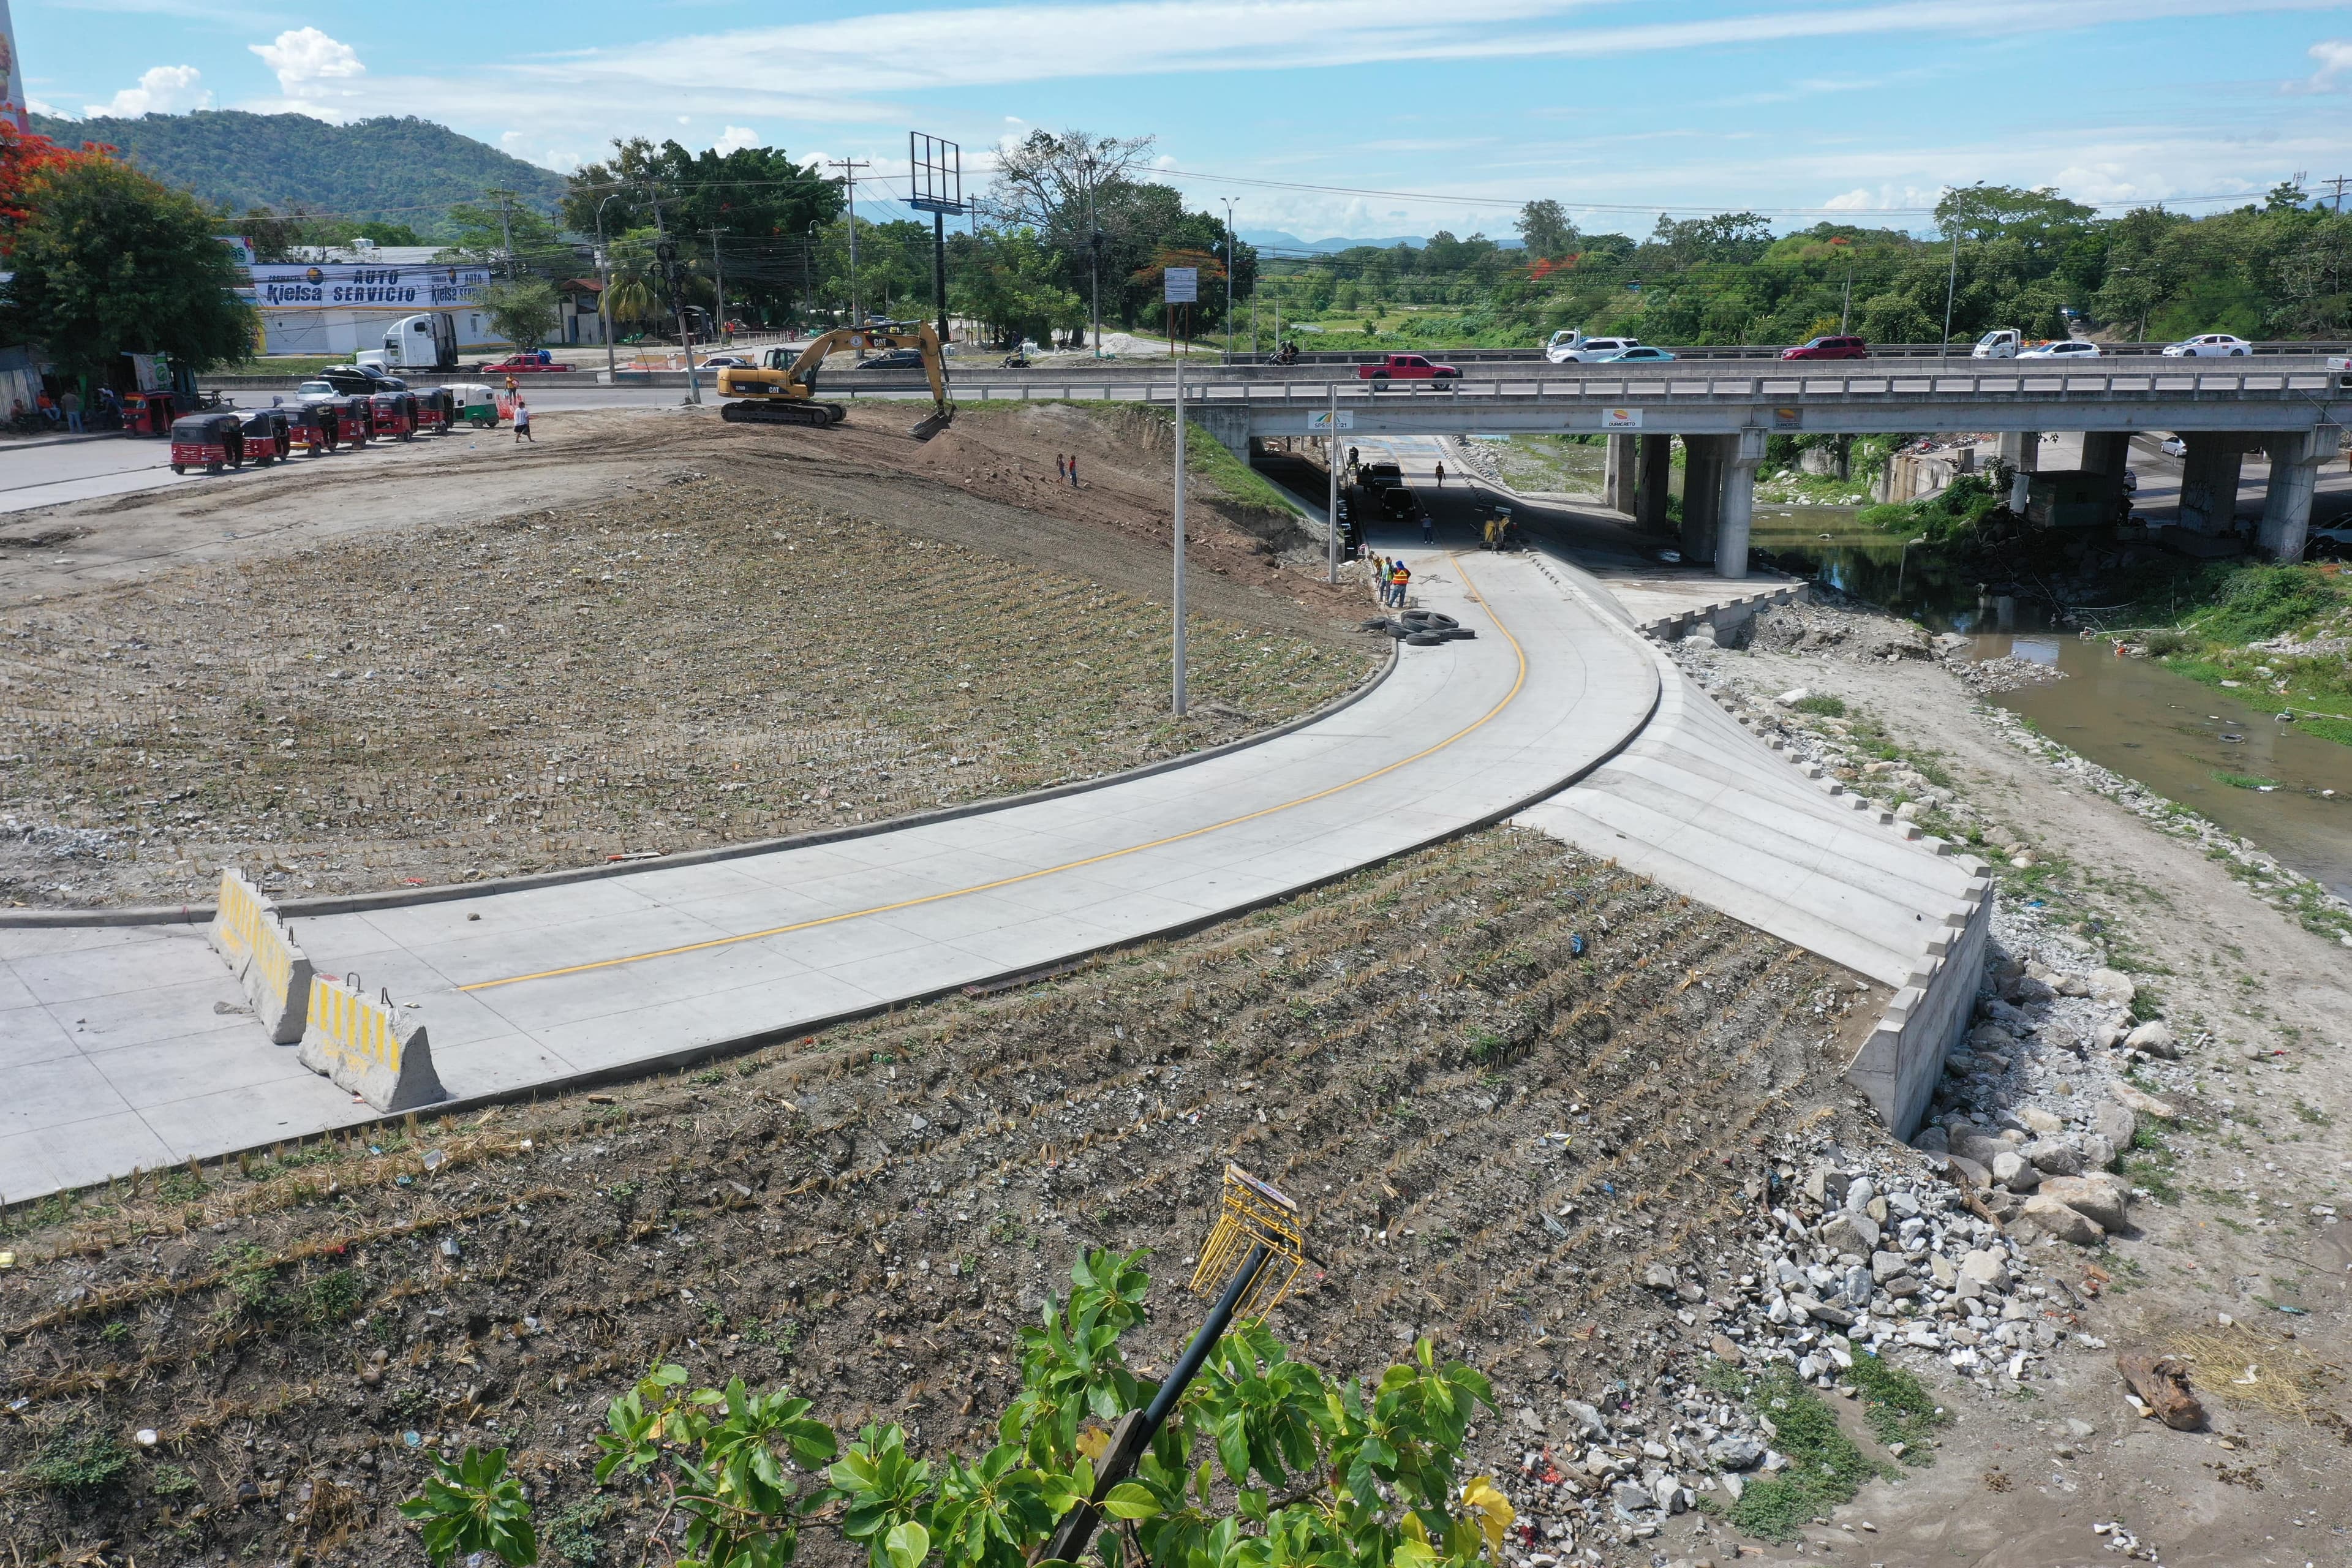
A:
<point x="1331" y="460"/>
<point x="1179" y="286"/>
<point x="604" y="292"/>
<point x="1229" y="279"/>
<point x="849" y="167"/>
<point x="1944" y="350"/>
<point x="808" y="275"/>
<point x="1093" y="264"/>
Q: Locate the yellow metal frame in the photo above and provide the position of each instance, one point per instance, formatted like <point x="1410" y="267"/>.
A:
<point x="1253" y="1214"/>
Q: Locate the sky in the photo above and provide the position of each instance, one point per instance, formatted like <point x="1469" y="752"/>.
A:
<point x="1324" y="118"/>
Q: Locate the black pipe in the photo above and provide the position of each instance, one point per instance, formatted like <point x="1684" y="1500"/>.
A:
<point x="1188" y="1366"/>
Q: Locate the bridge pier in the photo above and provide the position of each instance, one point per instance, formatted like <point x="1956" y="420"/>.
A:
<point x="2209" y="479"/>
<point x="2021" y="450"/>
<point x="1657" y="472"/>
<point x="2295" y="457"/>
<point x="1703" y="465"/>
<point x="1619" y="488"/>
<point x="1736" y="511"/>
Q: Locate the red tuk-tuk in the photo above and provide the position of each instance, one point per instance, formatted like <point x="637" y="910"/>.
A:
<point x="216" y="440"/>
<point x="354" y="419"/>
<point x="394" y="414"/>
<point x="308" y="427"/>
<point x="436" y="409"/>
<point x="267" y="438"/>
<point x="149" y="412"/>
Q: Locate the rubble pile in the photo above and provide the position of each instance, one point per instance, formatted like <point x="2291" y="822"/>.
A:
<point x="1836" y="633"/>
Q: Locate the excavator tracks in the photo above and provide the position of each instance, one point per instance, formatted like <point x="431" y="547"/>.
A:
<point x="761" y="412"/>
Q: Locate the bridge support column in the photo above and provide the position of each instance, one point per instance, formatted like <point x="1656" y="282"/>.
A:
<point x="2295" y="457"/>
<point x="1657" y="473"/>
<point x="2208" y="481"/>
<point x="2021" y="450"/>
<point x="1702" y="464"/>
<point x="1624" y="469"/>
<point x="1735" y="512"/>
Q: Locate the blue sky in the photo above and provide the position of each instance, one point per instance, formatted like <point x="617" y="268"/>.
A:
<point x="1322" y="117"/>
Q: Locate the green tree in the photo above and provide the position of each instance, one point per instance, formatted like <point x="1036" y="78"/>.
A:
<point x="482" y="232"/>
<point x="109" y="261"/>
<point x="523" y="311"/>
<point x="1265" y="1462"/>
<point x="1545" y="230"/>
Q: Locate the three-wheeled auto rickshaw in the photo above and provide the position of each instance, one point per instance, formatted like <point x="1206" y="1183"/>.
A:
<point x="149" y="412"/>
<point x="394" y="414"/>
<point x="477" y="404"/>
<point x="436" y="410"/>
<point x="307" y="427"/>
<point x="267" y="438"/>
<point x="354" y="419"/>
<point x="216" y="440"/>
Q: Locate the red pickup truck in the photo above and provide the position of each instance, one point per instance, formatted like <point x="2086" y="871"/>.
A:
<point x="1406" y="367"/>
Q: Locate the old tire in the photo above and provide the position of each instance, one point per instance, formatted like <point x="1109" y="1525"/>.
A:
<point x="179" y="468"/>
<point x="1424" y="640"/>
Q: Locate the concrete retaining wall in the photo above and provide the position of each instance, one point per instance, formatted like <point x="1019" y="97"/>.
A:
<point x="1898" y="1065"/>
<point x="274" y="971"/>
<point x="367" y="1047"/>
<point x="1724" y="615"/>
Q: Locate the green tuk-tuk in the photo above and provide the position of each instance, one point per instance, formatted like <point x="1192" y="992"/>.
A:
<point x="476" y="403"/>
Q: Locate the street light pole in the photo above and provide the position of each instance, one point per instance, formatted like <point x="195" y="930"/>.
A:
<point x="1951" y="287"/>
<point x="1229" y="279"/>
<point x="1180" y="536"/>
<point x="1331" y="462"/>
<point x="604" y="293"/>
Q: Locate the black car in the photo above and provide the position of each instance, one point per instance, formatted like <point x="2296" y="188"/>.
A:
<point x="357" y="380"/>
<point x="1397" y="501"/>
<point x="894" y="359"/>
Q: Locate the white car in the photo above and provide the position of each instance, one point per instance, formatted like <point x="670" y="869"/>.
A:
<point x="1590" y="350"/>
<point x="2173" y="447"/>
<point x="2209" y="345"/>
<point x="2065" y="348"/>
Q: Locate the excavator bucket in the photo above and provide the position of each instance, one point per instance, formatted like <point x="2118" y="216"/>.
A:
<point x="924" y="429"/>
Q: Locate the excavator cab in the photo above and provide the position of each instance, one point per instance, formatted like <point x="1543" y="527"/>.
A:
<point x="782" y="390"/>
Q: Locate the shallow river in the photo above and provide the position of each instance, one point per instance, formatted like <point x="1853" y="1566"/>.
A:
<point x="2128" y="715"/>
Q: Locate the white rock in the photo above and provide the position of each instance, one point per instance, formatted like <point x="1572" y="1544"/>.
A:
<point x="2156" y="1039"/>
<point x="2114" y="988"/>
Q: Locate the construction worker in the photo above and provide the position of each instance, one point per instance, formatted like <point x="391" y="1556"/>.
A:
<point x="1493" y="526"/>
<point x="1400" y="579"/>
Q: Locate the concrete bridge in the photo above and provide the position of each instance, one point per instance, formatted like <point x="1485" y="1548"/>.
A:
<point x="1723" y="413"/>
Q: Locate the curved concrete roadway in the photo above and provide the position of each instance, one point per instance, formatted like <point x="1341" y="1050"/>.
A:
<point x="121" y="1046"/>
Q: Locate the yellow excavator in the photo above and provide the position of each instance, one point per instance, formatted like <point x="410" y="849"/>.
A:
<point x="782" y="390"/>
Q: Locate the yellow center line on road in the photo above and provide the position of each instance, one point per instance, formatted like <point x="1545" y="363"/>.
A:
<point x="1520" y="680"/>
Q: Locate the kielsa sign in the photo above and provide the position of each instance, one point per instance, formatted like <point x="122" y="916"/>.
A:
<point x="345" y="283"/>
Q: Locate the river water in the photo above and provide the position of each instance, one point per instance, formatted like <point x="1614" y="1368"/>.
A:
<point x="2131" y="715"/>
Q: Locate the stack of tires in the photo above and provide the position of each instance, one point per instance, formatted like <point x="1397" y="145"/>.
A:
<point x="1421" y="629"/>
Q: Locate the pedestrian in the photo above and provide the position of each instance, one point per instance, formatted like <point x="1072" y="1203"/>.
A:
<point x="48" y="409"/>
<point x="109" y="408"/>
<point x="1489" y="541"/>
<point x="1073" y="470"/>
<point x="1061" y="468"/>
<point x="522" y="422"/>
<point x="1428" y="529"/>
<point x="1441" y="475"/>
<point x="510" y="386"/>
<point x="71" y="403"/>
<point x="1400" y="579"/>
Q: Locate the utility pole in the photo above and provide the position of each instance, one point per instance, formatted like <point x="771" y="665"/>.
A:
<point x="849" y="167"/>
<point x="667" y="254"/>
<point x="1951" y="287"/>
<point x="1846" y="309"/>
<point x="1180" y="538"/>
<point x="2339" y="182"/>
<point x="506" y="226"/>
<point x="1332" y="462"/>
<point x="604" y="292"/>
<point x="808" y="276"/>
<point x="1229" y="279"/>
<point x="719" y="285"/>
<point x="1094" y="267"/>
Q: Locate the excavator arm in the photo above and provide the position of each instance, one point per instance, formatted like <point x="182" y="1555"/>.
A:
<point x="776" y="382"/>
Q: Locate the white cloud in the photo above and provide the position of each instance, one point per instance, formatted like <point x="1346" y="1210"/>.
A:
<point x="2334" y="57"/>
<point x="735" y="139"/>
<point x="39" y="106"/>
<point x="311" y="70"/>
<point x="1853" y="201"/>
<point x="165" y="90"/>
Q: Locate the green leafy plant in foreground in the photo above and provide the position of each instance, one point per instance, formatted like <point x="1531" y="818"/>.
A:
<point x="473" y="1505"/>
<point x="1314" y="1470"/>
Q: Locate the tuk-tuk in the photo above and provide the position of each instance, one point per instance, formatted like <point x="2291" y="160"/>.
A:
<point x="216" y="440"/>
<point x="267" y="436"/>
<point x="436" y="410"/>
<point x="354" y="419"/>
<point x="148" y="413"/>
<point x="307" y="427"/>
<point x="394" y="414"/>
<point x="477" y="404"/>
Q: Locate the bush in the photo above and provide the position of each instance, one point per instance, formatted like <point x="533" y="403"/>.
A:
<point x="2164" y="642"/>
<point x="1828" y="707"/>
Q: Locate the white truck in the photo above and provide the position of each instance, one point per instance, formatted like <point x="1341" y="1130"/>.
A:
<point x="2002" y="342"/>
<point x="428" y="342"/>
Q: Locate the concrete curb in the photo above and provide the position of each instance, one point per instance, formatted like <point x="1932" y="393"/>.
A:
<point x="359" y="903"/>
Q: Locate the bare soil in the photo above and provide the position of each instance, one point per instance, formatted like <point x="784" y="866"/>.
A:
<point x="868" y="1214"/>
<point x="724" y="633"/>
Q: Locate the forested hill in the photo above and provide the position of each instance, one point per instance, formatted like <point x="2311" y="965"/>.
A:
<point x="404" y="170"/>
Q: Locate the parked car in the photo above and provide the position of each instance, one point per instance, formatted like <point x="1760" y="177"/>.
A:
<point x="316" y="391"/>
<point x="522" y="365"/>
<point x="1829" y="348"/>
<point x="358" y="380"/>
<point x="2067" y="348"/>
<point x="2173" y="447"/>
<point x="1591" y="349"/>
<point x="2209" y="345"/>
<point x="1640" y="353"/>
<point x="2329" y="544"/>
<point x="723" y="362"/>
<point x="1406" y="367"/>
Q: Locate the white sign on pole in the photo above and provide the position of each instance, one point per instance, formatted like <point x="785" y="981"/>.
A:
<point x="1321" y="418"/>
<point x="1184" y="284"/>
<point x="1622" y="419"/>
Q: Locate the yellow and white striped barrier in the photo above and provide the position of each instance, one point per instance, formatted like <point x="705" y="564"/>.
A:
<point x="367" y="1047"/>
<point x="248" y="932"/>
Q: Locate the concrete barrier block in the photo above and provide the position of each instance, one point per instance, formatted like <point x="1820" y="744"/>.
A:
<point x="368" y="1048"/>
<point x="274" y="972"/>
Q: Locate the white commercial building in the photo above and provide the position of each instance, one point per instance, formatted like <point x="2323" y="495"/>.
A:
<point x="339" y="301"/>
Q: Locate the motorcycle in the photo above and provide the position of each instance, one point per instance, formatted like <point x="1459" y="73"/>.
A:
<point x="1017" y="360"/>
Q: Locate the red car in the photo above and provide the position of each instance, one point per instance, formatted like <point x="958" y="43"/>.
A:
<point x="523" y="364"/>
<point x="1829" y="348"/>
<point x="1405" y="367"/>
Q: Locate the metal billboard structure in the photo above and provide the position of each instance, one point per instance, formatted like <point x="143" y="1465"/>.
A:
<point x="935" y="185"/>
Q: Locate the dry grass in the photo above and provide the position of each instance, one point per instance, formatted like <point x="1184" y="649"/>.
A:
<point x="2241" y="1366"/>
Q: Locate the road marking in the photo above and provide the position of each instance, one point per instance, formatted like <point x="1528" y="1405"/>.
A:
<point x="1517" y="682"/>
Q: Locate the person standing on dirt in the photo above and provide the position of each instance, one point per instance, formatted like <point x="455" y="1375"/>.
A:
<point x="1073" y="470"/>
<point x="1061" y="468"/>
<point x="522" y="422"/>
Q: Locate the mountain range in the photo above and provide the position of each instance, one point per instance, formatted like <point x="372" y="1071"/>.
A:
<point x="1281" y="240"/>
<point x="402" y="170"/>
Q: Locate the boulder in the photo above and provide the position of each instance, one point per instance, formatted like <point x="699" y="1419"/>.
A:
<point x="2116" y="1125"/>
<point x="1987" y="1267"/>
<point x="2114" y="988"/>
<point x="1886" y="1266"/>
<point x="2040" y="1121"/>
<point x="2140" y="1102"/>
<point x="2053" y="1157"/>
<point x="2015" y="1172"/>
<point x="1931" y="1139"/>
<point x="2098" y="1153"/>
<point x="1968" y="1172"/>
<point x="1971" y="1145"/>
<point x="1940" y="1269"/>
<point x="1586" y="1417"/>
<point x="1658" y="1277"/>
<point x="2100" y="1198"/>
<point x="2156" y="1039"/>
<point x="1736" y="1451"/>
